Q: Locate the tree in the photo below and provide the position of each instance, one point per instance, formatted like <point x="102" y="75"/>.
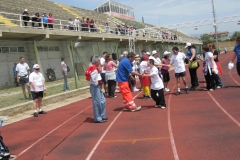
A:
<point x="235" y="35"/>
<point x="205" y="39"/>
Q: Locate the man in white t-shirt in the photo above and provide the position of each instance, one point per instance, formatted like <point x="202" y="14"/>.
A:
<point x="177" y="60"/>
<point x="23" y="72"/>
<point x="103" y="72"/>
<point x="157" y="93"/>
<point x="37" y="87"/>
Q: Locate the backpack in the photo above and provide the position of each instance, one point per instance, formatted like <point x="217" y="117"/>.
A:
<point x="89" y="71"/>
<point x="4" y="151"/>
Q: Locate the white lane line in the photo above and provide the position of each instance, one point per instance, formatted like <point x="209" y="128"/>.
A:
<point x="51" y="132"/>
<point x="233" y="78"/>
<point x="170" y="130"/>
<point x="103" y="135"/>
<point x="234" y="120"/>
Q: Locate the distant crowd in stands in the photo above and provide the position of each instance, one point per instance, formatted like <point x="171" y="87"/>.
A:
<point x="82" y="24"/>
<point x="46" y="20"/>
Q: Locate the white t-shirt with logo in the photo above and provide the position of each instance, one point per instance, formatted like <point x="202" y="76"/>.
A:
<point x="22" y="69"/>
<point x="178" y="61"/>
<point x="102" y="61"/>
<point x="37" y="79"/>
<point x="64" y="65"/>
<point x="143" y="66"/>
<point x="155" y="79"/>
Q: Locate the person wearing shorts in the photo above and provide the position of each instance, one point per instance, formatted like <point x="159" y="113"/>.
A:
<point x="164" y="70"/>
<point x="37" y="88"/>
<point x="23" y="72"/>
<point x="179" y="67"/>
<point x="237" y="54"/>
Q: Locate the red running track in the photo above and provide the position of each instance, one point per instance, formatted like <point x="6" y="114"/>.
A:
<point x="200" y="125"/>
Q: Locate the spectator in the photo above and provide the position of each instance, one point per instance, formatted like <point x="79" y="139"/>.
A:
<point x="50" y="21"/>
<point x="107" y="28"/>
<point x="36" y="19"/>
<point x="64" y="72"/>
<point x="103" y="73"/>
<point x="45" y="20"/>
<point x="83" y="23"/>
<point x="23" y="72"/>
<point x="92" y="26"/>
<point x="15" y="73"/>
<point x="76" y="24"/>
<point x="110" y="75"/>
<point x="98" y="100"/>
<point x="70" y="23"/>
<point x="87" y="24"/>
<point x="225" y="50"/>
<point x="164" y="70"/>
<point x="37" y="87"/>
<point x="192" y="56"/>
<point x="25" y="17"/>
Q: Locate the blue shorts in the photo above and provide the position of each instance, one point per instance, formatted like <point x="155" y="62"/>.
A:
<point x="182" y="74"/>
<point x="23" y="81"/>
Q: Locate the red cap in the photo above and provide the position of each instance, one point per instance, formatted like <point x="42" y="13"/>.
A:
<point x="145" y="57"/>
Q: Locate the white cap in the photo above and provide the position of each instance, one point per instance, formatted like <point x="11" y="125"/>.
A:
<point x="230" y="65"/>
<point x="25" y="9"/>
<point x="188" y="44"/>
<point x="166" y="53"/>
<point x="154" y="52"/>
<point x="137" y="55"/>
<point x="147" y="53"/>
<point x="36" y="66"/>
<point x="125" y="53"/>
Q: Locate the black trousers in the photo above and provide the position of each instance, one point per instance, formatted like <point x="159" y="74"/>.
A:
<point x="210" y="80"/>
<point x="193" y="75"/>
<point x="160" y="100"/>
<point x="111" y="87"/>
<point x="238" y="67"/>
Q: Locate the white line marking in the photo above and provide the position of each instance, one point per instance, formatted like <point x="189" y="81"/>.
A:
<point x="234" y="120"/>
<point x="103" y="135"/>
<point x="50" y="132"/>
<point x="233" y="78"/>
<point x="170" y="130"/>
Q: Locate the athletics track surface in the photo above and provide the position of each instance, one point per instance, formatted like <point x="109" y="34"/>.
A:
<point x="198" y="126"/>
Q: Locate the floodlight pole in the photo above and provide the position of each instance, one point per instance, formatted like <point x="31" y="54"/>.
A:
<point x="215" y="24"/>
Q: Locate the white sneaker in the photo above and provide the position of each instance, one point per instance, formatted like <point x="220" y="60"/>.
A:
<point x="210" y="89"/>
<point x="117" y="91"/>
<point x="136" y="109"/>
<point x="156" y="106"/>
<point x="135" y="90"/>
<point x="163" y="107"/>
<point x="219" y="87"/>
<point x="166" y="90"/>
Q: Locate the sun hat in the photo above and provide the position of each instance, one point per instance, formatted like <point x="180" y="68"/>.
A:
<point x="188" y="44"/>
<point x="166" y="53"/>
<point x="36" y="66"/>
<point x="147" y="53"/>
<point x="25" y="10"/>
<point x="154" y="52"/>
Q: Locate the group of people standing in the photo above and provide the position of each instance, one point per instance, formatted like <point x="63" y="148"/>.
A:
<point x="82" y="24"/>
<point x="46" y="20"/>
<point x="153" y="74"/>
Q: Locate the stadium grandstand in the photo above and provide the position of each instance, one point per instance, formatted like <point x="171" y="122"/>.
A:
<point x="73" y="32"/>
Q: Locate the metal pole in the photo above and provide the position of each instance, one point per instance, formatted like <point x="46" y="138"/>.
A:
<point x="75" y="74"/>
<point x="215" y="24"/>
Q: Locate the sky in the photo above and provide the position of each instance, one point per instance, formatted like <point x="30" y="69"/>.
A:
<point x="165" y="12"/>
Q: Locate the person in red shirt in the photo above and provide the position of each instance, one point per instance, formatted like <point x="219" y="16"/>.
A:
<point x="50" y="21"/>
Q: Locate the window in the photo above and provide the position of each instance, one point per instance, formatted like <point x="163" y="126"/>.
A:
<point x="45" y="48"/>
<point x="52" y="48"/>
<point x="57" y="48"/>
<point x="39" y="48"/>
<point x="5" y="49"/>
<point x="21" y="49"/>
<point x="13" y="49"/>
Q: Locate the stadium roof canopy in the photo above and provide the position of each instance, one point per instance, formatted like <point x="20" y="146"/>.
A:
<point x="116" y="9"/>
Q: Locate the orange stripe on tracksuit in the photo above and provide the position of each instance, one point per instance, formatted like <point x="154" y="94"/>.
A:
<point x="127" y="95"/>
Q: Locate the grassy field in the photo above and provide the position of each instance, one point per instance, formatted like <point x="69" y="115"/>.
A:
<point x="14" y="95"/>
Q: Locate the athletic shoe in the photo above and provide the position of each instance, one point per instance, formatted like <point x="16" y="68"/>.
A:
<point x="148" y="97"/>
<point x="117" y="91"/>
<point x="135" y="90"/>
<point x="219" y="87"/>
<point x="186" y="90"/>
<point x="163" y="107"/>
<point x="42" y="112"/>
<point x="4" y="154"/>
<point x="210" y="89"/>
<point x="205" y="89"/>
<point x="105" y="119"/>
<point x="144" y="97"/>
<point x="114" y="97"/>
<point x="126" y="109"/>
<point x="177" y="93"/>
<point x="102" y="121"/>
<point x="136" y="109"/>
<point x="35" y="114"/>
<point x="156" y="106"/>
<point x="166" y="90"/>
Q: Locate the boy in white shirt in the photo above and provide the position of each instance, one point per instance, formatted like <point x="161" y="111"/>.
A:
<point x="157" y="93"/>
<point x="179" y="67"/>
<point x="37" y="87"/>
